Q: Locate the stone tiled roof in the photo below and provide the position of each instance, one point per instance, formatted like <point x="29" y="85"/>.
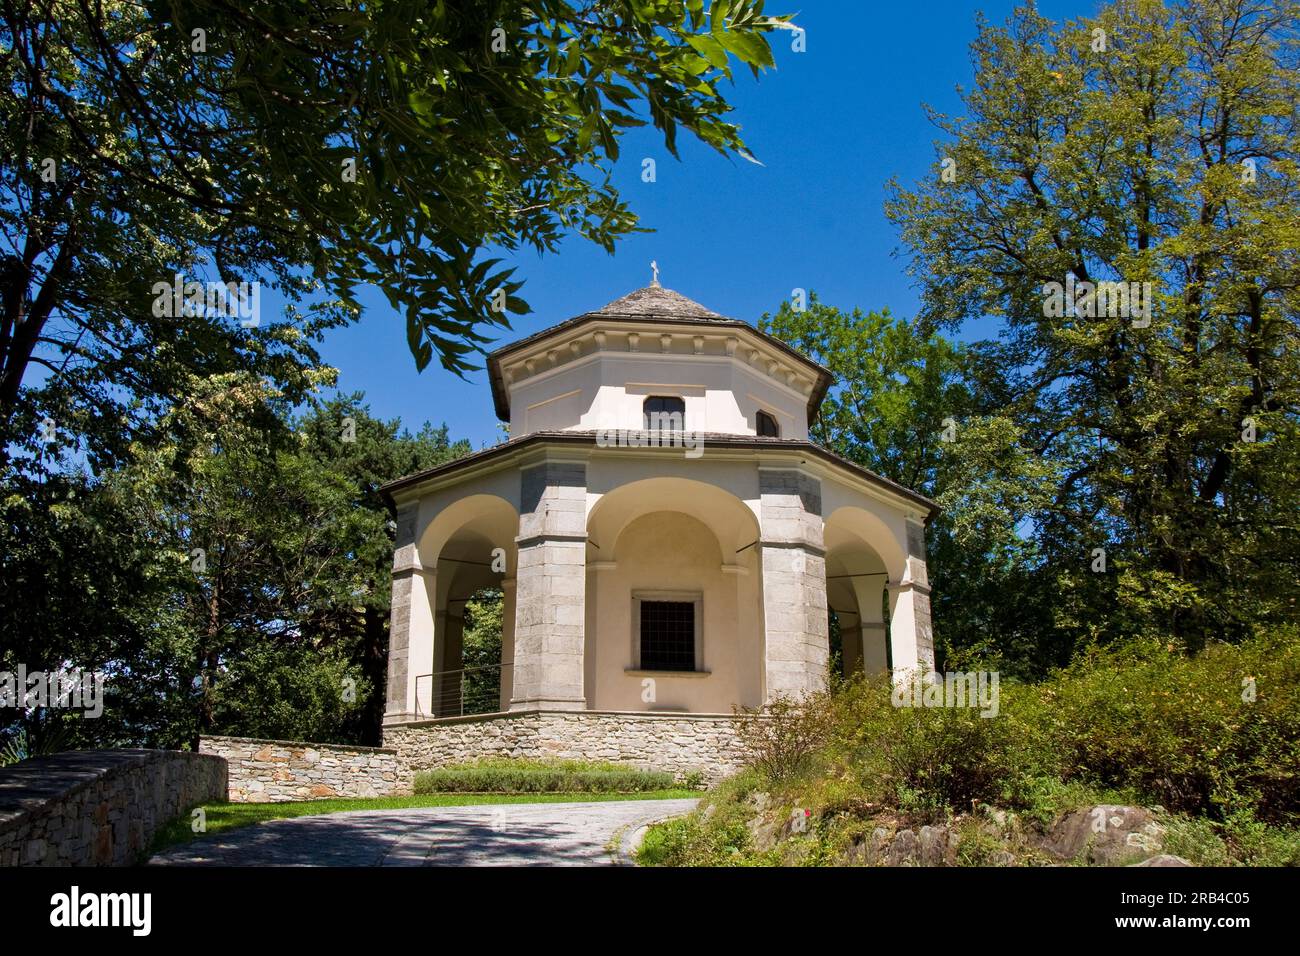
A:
<point x="654" y="301"/>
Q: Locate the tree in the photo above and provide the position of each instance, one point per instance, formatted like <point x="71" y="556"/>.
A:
<point x="233" y="580"/>
<point x="257" y="545"/>
<point x="313" y="148"/>
<point x="1154" y="146"/>
<point x="342" y="436"/>
<point x="903" y="406"/>
<point x="481" y="652"/>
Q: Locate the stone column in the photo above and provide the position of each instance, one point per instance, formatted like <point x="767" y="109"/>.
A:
<point x="911" y="633"/>
<point x="796" y="644"/>
<point x="870" y="592"/>
<point x="507" y="641"/>
<point x="875" y="656"/>
<point x="448" y="662"/>
<point x="850" y="646"/>
<point x="550" y="588"/>
<point x="410" y="629"/>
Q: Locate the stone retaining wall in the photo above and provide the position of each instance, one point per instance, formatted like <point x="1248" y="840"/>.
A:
<point x="99" y="807"/>
<point x="276" y="771"/>
<point x="681" y="744"/>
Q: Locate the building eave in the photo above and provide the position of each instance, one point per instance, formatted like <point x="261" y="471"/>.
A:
<point x="499" y="455"/>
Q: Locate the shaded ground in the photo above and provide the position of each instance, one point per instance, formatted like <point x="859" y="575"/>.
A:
<point x="549" y="834"/>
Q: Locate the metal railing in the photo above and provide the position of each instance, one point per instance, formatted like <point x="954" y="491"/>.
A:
<point x="460" y="693"/>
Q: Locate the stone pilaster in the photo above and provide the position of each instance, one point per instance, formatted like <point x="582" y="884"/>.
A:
<point x="911" y="631"/>
<point x="410" y="631"/>
<point x="550" y="588"/>
<point x="796" y="643"/>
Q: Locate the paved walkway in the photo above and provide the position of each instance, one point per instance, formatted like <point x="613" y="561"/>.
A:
<point x="510" y="834"/>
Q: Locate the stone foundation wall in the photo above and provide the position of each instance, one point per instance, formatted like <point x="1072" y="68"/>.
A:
<point x="276" y="771"/>
<point x="677" y="743"/>
<point x="99" y="807"/>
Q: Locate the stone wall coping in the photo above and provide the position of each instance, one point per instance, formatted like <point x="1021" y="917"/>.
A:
<point x="297" y="744"/>
<point x="29" y="786"/>
<point x="534" y="714"/>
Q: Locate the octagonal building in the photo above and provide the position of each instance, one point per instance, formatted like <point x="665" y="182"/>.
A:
<point x="669" y="545"/>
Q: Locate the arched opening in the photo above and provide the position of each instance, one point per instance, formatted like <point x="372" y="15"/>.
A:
<point x="766" y="425"/>
<point x="470" y="549"/>
<point x="482" y="683"/>
<point x="856" y="595"/>
<point x="673" y="599"/>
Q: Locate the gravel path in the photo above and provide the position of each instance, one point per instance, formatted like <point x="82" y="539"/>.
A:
<point x="511" y="834"/>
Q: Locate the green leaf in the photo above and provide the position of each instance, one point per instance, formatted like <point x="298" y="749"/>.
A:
<point x="748" y="47"/>
<point x="711" y="49"/>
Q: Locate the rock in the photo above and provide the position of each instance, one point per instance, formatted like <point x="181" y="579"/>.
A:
<point x="933" y="844"/>
<point x="102" y="854"/>
<point x="1164" y="859"/>
<point x="905" y="850"/>
<point x="856" y="854"/>
<point x="875" y="847"/>
<point x="1105" y="835"/>
<point x="34" y="852"/>
<point x="798" y="822"/>
<point x="996" y="816"/>
<point x="764" y="833"/>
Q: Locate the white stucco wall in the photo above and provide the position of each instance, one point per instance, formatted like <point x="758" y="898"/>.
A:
<point x="672" y="552"/>
<point x="655" y="520"/>
<point x="607" y="388"/>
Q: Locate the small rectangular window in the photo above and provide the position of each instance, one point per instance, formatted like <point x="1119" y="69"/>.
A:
<point x="767" y="426"/>
<point x="667" y="635"/>
<point x="664" y="413"/>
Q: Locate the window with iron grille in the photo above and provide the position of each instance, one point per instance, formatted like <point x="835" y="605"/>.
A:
<point x="664" y="412"/>
<point x="767" y="426"/>
<point x="667" y="635"/>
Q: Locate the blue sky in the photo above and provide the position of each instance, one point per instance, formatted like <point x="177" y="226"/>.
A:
<point x="830" y="125"/>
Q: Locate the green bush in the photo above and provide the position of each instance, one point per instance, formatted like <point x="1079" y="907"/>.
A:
<point x="667" y="843"/>
<point x="783" y="739"/>
<point x="930" y="761"/>
<point x="1241" y="840"/>
<point x="1212" y="738"/>
<point x="946" y="758"/>
<point x="1214" y="734"/>
<point x="538" y="776"/>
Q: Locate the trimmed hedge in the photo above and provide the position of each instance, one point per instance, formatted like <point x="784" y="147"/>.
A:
<point x="536" y="776"/>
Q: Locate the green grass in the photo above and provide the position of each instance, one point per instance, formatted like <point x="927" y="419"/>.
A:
<point x="224" y="817"/>
<point x="515" y="775"/>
